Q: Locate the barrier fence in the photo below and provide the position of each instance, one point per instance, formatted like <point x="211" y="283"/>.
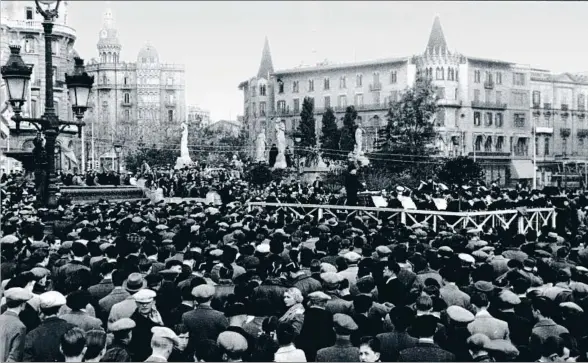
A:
<point x="525" y="219"/>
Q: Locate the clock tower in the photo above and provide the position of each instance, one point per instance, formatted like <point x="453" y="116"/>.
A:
<point x="108" y="45"/>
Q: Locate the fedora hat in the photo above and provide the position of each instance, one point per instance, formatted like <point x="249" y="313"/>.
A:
<point x="134" y="282"/>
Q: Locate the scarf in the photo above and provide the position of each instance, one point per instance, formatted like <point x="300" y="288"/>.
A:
<point x="155" y="317"/>
<point x="292" y="311"/>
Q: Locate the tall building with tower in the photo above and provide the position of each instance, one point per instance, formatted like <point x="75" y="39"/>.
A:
<point x="133" y="102"/>
<point x="501" y="113"/>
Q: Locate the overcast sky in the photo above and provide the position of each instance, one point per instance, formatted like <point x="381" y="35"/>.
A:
<point x="220" y="43"/>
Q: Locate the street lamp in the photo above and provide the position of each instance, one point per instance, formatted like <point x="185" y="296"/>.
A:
<point x="297" y="142"/>
<point x="117" y="150"/>
<point x="17" y="75"/>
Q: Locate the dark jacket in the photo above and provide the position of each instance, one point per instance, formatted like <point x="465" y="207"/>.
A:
<point x="140" y="345"/>
<point x="341" y="351"/>
<point x="392" y="343"/>
<point x="101" y="289"/>
<point x="204" y="323"/>
<point x="425" y="352"/>
<point x="316" y="333"/>
<point x="42" y="343"/>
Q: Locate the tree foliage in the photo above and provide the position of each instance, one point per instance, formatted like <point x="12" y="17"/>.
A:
<point x="329" y="131"/>
<point x="460" y="170"/>
<point x="154" y="156"/>
<point x="306" y="127"/>
<point x="347" y="138"/>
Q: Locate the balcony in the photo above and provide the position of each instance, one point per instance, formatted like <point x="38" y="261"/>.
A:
<point x="376" y="86"/>
<point x="582" y="132"/>
<point x="38" y="27"/>
<point x="103" y="86"/>
<point x="449" y="103"/>
<point x="126" y="104"/>
<point x="489" y="84"/>
<point x="126" y="86"/>
<point x="36" y="84"/>
<point x="491" y="154"/>
<point x="489" y="105"/>
<point x="565" y="132"/>
<point x="170" y="86"/>
<point x="170" y="104"/>
<point x="543" y="127"/>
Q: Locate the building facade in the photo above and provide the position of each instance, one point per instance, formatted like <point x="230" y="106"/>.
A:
<point x="132" y="102"/>
<point x="198" y="117"/>
<point x="485" y="105"/>
<point x="21" y="25"/>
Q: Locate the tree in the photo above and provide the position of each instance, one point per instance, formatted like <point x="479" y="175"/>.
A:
<point x="154" y="156"/>
<point x="460" y="170"/>
<point x="329" y="131"/>
<point x="347" y="134"/>
<point x="306" y="128"/>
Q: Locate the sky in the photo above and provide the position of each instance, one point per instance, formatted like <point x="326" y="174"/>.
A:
<point x="220" y="43"/>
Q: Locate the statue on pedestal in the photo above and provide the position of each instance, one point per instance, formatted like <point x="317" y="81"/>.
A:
<point x="358" y="152"/>
<point x="184" y="159"/>
<point x="281" y="144"/>
<point x="260" y="145"/>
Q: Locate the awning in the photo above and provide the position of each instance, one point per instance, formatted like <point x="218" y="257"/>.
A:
<point x="521" y="169"/>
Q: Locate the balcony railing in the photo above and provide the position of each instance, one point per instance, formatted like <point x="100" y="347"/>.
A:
<point x="547" y="106"/>
<point x="127" y="104"/>
<point x="449" y="103"/>
<point x="565" y="132"/>
<point x="377" y="86"/>
<point x="489" y="84"/>
<point x="564" y="107"/>
<point x="104" y="86"/>
<point x="170" y="104"/>
<point x="489" y="105"/>
<point x="38" y="26"/>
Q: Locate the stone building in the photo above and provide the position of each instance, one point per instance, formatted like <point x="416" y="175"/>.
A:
<point x="21" y="25"/>
<point x="485" y="104"/>
<point x="198" y="117"/>
<point x="133" y="102"/>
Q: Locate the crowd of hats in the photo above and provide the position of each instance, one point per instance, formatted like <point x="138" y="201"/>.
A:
<point x="191" y="251"/>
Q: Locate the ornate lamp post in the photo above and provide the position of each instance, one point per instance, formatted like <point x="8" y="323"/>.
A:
<point x="117" y="150"/>
<point x="297" y="141"/>
<point x="17" y="75"/>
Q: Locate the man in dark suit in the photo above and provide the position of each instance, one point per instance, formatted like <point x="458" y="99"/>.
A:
<point x="117" y="295"/>
<point x="317" y="329"/>
<point x="104" y="287"/>
<point x="204" y="322"/>
<point x="342" y="350"/>
<point x="42" y="343"/>
<point x="394" y="342"/>
<point x="391" y="289"/>
<point x="425" y="350"/>
<point x="12" y="330"/>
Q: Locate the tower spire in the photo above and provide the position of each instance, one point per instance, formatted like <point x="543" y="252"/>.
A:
<point x="266" y="66"/>
<point x="437" y="43"/>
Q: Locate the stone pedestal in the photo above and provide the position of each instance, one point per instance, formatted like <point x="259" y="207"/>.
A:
<point x="182" y="162"/>
<point x="280" y="162"/>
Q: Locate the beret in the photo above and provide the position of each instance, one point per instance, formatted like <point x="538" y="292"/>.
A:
<point x="204" y="291"/>
<point x="509" y="297"/>
<point x="352" y="257"/>
<point x="484" y="286"/>
<point x="466" y="258"/>
<point x="122" y="324"/>
<point x="327" y="267"/>
<point x="232" y="342"/>
<point x="331" y="278"/>
<point x="18" y="294"/>
<point x="459" y="314"/>
<point x="223" y="225"/>
<point x="67" y="245"/>
<point x="383" y="250"/>
<point x="82" y="241"/>
<point x="344" y="324"/>
<point x="144" y="296"/>
<point x="51" y="299"/>
<point x="163" y="332"/>
<point x="581" y="269"/>
<point x="318" y="296"/>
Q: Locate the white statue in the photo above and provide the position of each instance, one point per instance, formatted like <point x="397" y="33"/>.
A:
<point x="184" y="159"/>
<point x="281" y="144"/>
<point x="260" y="145"/>
<point x="358" y="141"/>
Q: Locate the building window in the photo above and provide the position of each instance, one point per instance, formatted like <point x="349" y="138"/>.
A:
<point x="476" y="76"/>
<point x="488" y="77"/>
<point x="376" y="78"/>
<point x="34" y="108"/>
<point x="170" y="115"/>
<point x="498" y="120"/>
<point x="440" y="118"/>
<point x="127" y="115"/>
<point x="327" y="101"/>
<point x="126" y="80"/>
<point x="311" y="85"/>
<point x="499" y="143"/>
<point x="127" y="98"/>
<point x="262" y="90"/>
<point x="253" y="91"/>
<point x="476" y="118"/>
<point x="519" y="119"/>
<point x="262" y="109"/>
<point x="393" y="77"/>
<point x="488" y="119"/>
<point x="254" y="109"/>
<point x="488" y="96"/>
<point x="311" y="100"/>
<point x="29" y="13"/>
<point x="295" y="86"/>
<point x="519" y="98"/>
<point x="581" y="99"/>
<point x="564" y="145"/>
<point x="476" y="95"/>
<point x="55" y="47"/>
<point x="393" y="96"/>
<point x="56" y="107"/>
<point x="327" y="84"/>
<point x="498" y="97"/>
<point x="521" y="147"/>
<point x="358" y="80"/>
<point x="478" y="143"/>
<point x="439" y="73"/>
<point x="488" y="144"/>
<point x="359" y="100"/>
<point x="498" y="77"/>
<point x="282" y="106"/>
<point x="54" y="75"/>
<point x="342" y="101"/>
<point x="440" y="93"/>
<point x="376" y="96"/>
<point x="280" y="87"/>
<point x="296" y="105"/>
<point x="450" y="74"/>
<point x="546" y="145"/>
<point x="29" y="45"/>
<point x="518" y="79"/>
<point x="342" y="82"/>
<point x="536" y="99"/>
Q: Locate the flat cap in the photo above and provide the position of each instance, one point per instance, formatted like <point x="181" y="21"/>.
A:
<point x="571" y="306"/>
<point x="51" y="299"/>
<point x="352" y="257"/>
<point x="231" y="341"/>
<point x="478" y="340"/>
<point x="318" y="296"/>
<point x="467" y="258"/>
<point x="444" y="250"/>
<point x="165" y="333"/>
<point x="137" y="220"/>
<point x="383" y="251"/>
<point x="39" y="272"/>
<point x="344" y="324"/>
<point x="9" y="239"/>
<point x="217" y="252"/>
<point x="509" y="297"/>
<point x="204" y="291"/>
<point x="503" y="346"/>
<point x="144" y="296"/>
<point x="263" y="248"/>
<point x="331" y="278"/>
<point x="480" y="255"/>
<point x="484" y="286"/>
<point x="459" y="314"/>
<point x="122" y="324"/>
<point x="327" y="267"/>
<point x="18" y="294"/>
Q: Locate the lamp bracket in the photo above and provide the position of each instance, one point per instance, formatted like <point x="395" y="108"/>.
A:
<point x="48" y="14"/>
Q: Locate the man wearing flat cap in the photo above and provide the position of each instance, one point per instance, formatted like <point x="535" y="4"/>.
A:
<point x="342" y="350"/>
<point x="485" y="323"/>
<point x="42" y="343"/>
<point x="12" y="330"/>
<point x="518" y="325"/>
<point x="122" y="331"/>
<point x="317" y="329"/>
<point x="204" y="322"/>
<point x="232" y="345"/>
<point x="162" y="344"/>
<point x="145" y="317"/>
<point x="426" y="350"/>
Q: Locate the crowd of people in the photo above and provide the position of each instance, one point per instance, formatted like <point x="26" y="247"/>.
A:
<point x="188" y="281"/>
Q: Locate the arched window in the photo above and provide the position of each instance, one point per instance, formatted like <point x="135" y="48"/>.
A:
<point x="488" y="144"/>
